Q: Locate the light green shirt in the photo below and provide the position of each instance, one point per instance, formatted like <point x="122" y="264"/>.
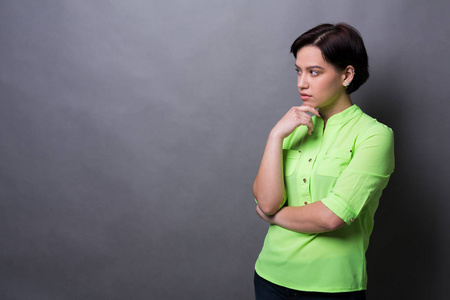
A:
<point x="346" y="166"/>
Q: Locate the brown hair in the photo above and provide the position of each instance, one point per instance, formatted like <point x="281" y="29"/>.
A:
<point x="341" y="45"/>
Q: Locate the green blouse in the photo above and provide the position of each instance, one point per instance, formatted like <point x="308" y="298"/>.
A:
<point x="346" y="166"/>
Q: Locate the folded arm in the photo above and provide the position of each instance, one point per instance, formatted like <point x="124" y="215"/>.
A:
<point x="311" y="218"/>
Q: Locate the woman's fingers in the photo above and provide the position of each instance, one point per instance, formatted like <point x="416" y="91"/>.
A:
<point x="262" y="215"/>
<point x="304" y="118"/>
<point x="310" y="127"/>
<point x="296" y="116"/>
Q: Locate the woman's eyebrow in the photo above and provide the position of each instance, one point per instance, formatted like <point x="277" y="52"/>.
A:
<point x="311" y="67"/>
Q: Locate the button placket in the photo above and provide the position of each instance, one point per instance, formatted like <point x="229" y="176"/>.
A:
<point x="306" y="164"/>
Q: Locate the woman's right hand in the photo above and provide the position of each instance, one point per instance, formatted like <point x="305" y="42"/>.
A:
<point x="296" y="116"/>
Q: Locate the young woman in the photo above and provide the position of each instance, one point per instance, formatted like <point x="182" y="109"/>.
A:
<point x="321" y="176"/>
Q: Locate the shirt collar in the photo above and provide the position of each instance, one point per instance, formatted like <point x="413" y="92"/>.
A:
<point x="344" y="116"/>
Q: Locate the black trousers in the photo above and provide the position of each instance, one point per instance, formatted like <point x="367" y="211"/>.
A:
<point x="266" y="290"/>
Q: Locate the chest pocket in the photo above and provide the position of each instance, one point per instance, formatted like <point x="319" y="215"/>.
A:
<point x="334" y="162"/>
<point x="290" y="161"/>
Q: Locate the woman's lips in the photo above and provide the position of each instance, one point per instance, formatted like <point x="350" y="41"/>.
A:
<point x="305" y="96"/>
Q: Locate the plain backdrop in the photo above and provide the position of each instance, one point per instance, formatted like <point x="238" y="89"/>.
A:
<point x="131" y="133"/>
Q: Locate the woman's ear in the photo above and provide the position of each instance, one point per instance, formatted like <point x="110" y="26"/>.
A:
<point x="348" y="75"/>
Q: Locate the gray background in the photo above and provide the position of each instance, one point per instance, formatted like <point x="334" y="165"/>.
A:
<point x="131" y="132"/>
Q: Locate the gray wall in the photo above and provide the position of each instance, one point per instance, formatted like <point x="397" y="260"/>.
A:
<point x="131" y="132"/>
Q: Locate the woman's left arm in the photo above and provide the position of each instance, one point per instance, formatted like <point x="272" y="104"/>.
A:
<point x="311" y="218"/>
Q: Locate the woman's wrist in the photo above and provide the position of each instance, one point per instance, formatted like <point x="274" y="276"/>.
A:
<point x="275" y="135"/>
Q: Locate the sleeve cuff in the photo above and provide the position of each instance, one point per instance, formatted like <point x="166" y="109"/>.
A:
<point x="337" y="206"/>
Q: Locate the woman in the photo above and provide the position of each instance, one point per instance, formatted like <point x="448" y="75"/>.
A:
<point x="321" y="176"/>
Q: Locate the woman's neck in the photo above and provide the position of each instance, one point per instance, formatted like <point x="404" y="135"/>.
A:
<point x="339" y="106"/>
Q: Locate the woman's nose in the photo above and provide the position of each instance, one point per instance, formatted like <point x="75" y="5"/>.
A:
<point x="301" y="82"/>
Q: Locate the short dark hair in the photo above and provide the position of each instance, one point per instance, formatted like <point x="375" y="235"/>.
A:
<point x="341" y="45"/>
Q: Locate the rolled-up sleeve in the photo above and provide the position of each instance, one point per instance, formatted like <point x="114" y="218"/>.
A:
<point x="366" y="175"/>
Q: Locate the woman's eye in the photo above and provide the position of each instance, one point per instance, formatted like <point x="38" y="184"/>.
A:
<point x="297" y="71"/>
<point x="314" y="73"/>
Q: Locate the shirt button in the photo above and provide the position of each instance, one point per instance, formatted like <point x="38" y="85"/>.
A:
<point x="306" y="202"/>
<point x="299" y="151"/>
<point x="310" y="160"/>
<point x="304" y="180"/>
<point x="351" y="220"/>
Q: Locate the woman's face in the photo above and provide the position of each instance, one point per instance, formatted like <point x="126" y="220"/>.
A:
<point x="319" y="83"/>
